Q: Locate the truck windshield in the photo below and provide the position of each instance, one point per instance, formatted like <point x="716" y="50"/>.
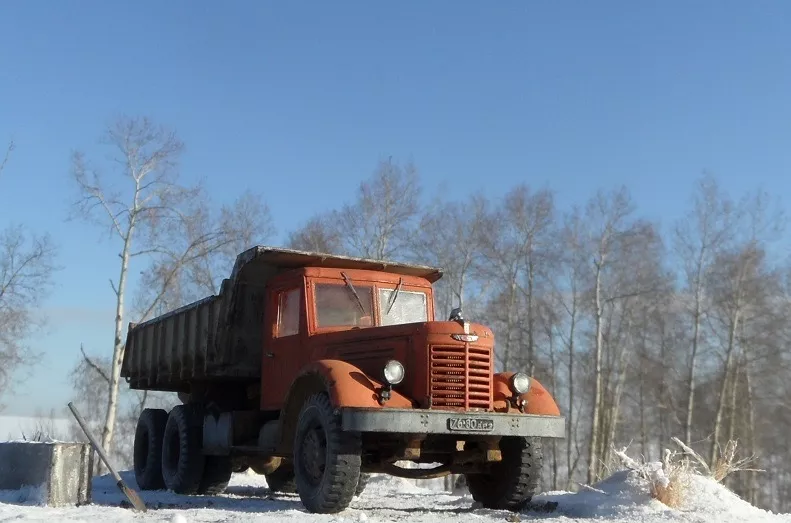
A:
<point x="336" y="306"/>
<point x="409" y="307"/>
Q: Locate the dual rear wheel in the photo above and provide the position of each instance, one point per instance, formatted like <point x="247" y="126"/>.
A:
<point x="168" y="453"/>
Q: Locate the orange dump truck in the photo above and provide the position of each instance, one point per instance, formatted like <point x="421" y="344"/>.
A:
<point x="316" y="370"/>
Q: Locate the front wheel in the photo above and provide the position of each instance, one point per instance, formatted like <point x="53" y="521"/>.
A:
<point x="511" y="483"/>
<point x="326" y="459"/>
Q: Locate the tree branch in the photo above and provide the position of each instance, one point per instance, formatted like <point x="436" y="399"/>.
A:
<point x="6" y="156"/>
<point x="94" y="366"/>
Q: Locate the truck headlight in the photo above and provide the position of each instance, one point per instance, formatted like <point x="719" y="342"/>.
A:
<point x="393" y="372"/>
<point x="520" y="383"/>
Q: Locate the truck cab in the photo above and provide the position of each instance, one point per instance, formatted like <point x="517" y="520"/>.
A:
<point x="317" y="370"/>
<point x="319" y="313"/>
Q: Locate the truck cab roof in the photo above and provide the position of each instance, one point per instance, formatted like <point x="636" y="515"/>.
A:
<point x="261" y="263"/>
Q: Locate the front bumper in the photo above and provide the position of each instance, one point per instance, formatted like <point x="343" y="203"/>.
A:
<point x="406" y="421"/>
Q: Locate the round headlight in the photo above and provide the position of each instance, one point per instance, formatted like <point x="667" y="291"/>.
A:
<point x="520" y="383"/>
<point x="393" y="372"/>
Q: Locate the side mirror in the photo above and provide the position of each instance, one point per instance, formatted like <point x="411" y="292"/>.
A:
<point x="455" y="315"/>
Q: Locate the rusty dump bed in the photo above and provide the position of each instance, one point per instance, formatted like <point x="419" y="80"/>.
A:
<point x="221" y="337"/>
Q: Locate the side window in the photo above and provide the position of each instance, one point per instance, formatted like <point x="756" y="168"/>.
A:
<point x="288" y="312"/>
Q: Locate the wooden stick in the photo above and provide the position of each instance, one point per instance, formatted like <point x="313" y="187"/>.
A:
<point x="130" y="494"/>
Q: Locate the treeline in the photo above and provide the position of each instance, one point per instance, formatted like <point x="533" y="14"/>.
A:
<point x="642" y="332"/>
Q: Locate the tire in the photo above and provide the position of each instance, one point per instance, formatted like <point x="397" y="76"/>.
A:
<point x="326" y="459"/>
<point x="511" y="483"/>
<point x="217" y="472"/>
<point x="148" y="449"/>
<point x="361" y="484"/>
<point x="282" y="479"/>
<point x="182" y="458"/>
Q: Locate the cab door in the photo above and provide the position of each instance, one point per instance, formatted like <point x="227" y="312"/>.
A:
<point x="284" y="337"/>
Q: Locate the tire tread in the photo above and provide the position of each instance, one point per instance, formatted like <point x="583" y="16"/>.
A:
<point x="149" y="475"/>
<point x="188" y="474"/>
<point x="512" y="482"/>
<point x="343" y="469"/>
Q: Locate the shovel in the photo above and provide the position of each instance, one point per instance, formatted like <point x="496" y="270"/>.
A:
<point x="130" y="494"/>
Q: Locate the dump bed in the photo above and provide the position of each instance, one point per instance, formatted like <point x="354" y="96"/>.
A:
<point x="221" y="337"/>
<point x="199" y="341"/>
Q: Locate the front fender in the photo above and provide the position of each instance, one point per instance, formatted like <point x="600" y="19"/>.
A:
<point x="348" y="386"/>
<point x="539" y="400"/>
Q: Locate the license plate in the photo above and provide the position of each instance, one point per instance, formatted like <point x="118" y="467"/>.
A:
<point x="471" y="424"/>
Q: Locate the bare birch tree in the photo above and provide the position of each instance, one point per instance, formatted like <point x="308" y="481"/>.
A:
<point x="517" y="245"/>
<point x="27" y="265"/>
<point x="449" y="236"/>
<point x="623" y="252"/>
<point x="317" y="235"/>
<point x="154" y="219"/>
<point x="702" y="233"/>
<point x="195" y="250"/>
<point x="568" y="292"/>
<point x="379" y="223"/>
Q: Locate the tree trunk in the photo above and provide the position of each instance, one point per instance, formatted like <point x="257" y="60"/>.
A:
<point x="724" y="390"/>
<point x="752" y="480"/>
<point x="593" y="457"/>
<point x="615" y="407"/>
<point x="570" y="413"/>
<point x="509" y="325"/>
<point x="118" y="347"/>
<point x="693" y="361"/>
<point x="531" y="368"/>
<point x="553" y="370"/>
<point x="643" y="429"/>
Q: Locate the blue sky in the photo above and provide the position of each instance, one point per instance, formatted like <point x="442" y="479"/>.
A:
<point x="298" y="101"/>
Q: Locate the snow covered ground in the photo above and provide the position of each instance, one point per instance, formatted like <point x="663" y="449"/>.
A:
<point x="621" y="498"/>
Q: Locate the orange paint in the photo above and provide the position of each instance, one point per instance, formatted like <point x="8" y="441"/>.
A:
<point x="539" y="400"/>
<point x="348" y="386"/>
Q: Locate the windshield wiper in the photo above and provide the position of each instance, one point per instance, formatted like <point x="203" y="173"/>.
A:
<point x="354" y="291"/>
<point x="394" y="297"/>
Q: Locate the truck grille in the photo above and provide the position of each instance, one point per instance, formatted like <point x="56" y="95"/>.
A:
<point x="460" y="377"/>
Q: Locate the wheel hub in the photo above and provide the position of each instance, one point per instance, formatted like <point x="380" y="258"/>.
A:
<point x="314" y="454"/>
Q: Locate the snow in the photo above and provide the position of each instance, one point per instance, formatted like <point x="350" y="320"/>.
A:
<point x="15" y="428"/>
<point x="623" y="497"/>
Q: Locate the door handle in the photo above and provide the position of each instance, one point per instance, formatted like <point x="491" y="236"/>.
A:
<point x="269" y="354"/>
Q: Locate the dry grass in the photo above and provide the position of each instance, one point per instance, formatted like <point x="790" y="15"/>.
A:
<point x="669" y="481"/>
<point x="726" y="463"/>
<point x="678" y="472"/>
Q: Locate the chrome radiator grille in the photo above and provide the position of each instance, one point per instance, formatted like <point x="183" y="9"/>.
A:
<point x="460" y="377"/>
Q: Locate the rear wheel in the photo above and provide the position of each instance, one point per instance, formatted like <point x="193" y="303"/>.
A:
<point x="326" y="459"/>
<point x="182" y="458"/>
<point x="511" y="483"/>
<point x="148" y="449"/>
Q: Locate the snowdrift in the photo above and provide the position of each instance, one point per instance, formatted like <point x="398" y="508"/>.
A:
<point x="623" y="497"/>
